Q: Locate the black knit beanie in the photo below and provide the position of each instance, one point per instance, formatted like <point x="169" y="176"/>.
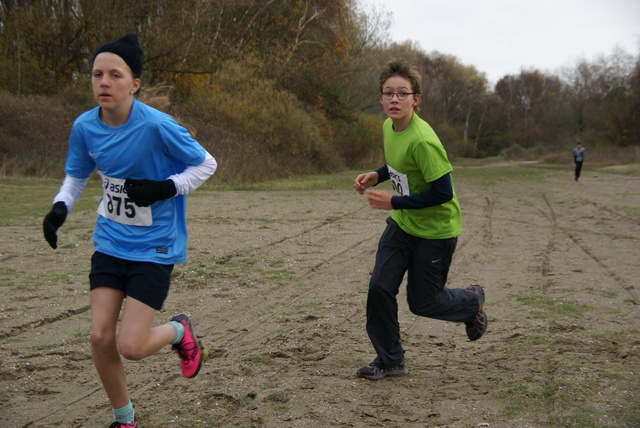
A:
<point x="127" y="48"/>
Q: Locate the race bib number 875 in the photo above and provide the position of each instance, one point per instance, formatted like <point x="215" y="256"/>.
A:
<point x="116" y="206"/>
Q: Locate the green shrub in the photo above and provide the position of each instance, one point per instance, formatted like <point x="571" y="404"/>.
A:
<point x="239" y="100"/>
<point x="359" y="142"/>
<point x="33" y="134"/>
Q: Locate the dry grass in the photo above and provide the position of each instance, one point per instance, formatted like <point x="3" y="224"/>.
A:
<point x="34" y="133"/>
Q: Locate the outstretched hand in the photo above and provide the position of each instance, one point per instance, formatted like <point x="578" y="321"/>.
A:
<point x="380" y="199"/>
<point x="52" y="222"/>
<point x="364" y="181"/>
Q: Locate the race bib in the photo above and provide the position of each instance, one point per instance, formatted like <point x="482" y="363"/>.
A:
<point x="116" y="206"/>
<point x="399" y="181"/>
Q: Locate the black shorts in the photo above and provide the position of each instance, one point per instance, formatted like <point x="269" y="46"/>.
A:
<point x="144" y="281"/>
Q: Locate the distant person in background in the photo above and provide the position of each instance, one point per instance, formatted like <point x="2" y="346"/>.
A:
<point x="578" y="154"/>
<point x="148" y="164"/>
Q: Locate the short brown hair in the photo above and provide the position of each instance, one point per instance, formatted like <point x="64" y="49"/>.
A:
<point x="403" y="68"/>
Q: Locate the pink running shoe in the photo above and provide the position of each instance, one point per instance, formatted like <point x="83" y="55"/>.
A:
<point x="189" y="349"/>
<point x="123" y="425"/>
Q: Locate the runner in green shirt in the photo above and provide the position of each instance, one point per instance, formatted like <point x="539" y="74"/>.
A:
<point x="421" y="233"/>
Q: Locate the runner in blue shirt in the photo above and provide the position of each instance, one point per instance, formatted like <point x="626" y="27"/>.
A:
<point x="148" y="164"/>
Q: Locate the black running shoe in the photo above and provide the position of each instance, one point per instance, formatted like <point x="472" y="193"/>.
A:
<point x="373" y="372"/>
<point x="477" y="326"/>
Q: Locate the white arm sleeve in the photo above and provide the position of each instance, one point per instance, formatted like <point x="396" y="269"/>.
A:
<point x="192" y="177"/>
<point x="70" y="191"/>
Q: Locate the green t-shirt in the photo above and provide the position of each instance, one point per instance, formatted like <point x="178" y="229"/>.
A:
<point x="415" y="157"/>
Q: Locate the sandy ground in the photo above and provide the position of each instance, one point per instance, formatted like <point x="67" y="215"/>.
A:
<point x="276" y="283"/>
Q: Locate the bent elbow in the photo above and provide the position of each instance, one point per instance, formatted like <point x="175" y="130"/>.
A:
<point x="445" y="197"/>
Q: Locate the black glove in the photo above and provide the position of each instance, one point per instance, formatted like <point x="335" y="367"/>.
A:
<point x="53" y="221"/>
<point x="145" y="192"/>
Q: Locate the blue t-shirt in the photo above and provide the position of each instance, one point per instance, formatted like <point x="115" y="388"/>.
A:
<point x="151" y="145"/>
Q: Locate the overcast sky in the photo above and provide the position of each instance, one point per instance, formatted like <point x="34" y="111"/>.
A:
<point x="502" y="37"/>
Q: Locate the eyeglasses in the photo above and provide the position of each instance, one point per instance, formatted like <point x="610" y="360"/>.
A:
<point x="401" y="95"/>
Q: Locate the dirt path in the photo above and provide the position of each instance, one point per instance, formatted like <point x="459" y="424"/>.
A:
<point x="276" y="283"/>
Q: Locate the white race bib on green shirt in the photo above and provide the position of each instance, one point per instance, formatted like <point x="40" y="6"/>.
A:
<point x="399" y="181"/>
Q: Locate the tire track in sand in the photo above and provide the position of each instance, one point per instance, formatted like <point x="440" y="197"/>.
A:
<point x="245" y="323"/>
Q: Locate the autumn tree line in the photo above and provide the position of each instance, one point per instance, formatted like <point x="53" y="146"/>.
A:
<point x="279" y="87"/>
